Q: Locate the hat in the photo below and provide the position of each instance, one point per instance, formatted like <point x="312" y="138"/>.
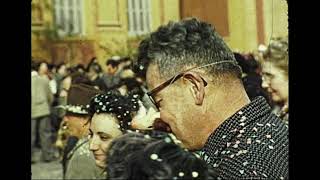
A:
<point x="79" y="97"/>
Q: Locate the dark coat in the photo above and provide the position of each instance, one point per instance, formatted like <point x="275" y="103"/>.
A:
<point x="251" y="144"/>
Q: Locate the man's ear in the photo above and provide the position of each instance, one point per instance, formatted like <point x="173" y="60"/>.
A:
<point x="197" y="88"/>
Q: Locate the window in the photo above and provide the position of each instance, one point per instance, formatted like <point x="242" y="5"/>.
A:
<point x="68" y="16"/>
<point x="139" y="12"/>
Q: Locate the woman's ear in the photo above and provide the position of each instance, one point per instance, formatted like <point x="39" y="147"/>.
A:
<point x="197" y="88"/>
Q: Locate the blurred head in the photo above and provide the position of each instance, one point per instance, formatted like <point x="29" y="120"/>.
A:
<point x="52" y="68"/>
<point x="111" y="115"/>
<point x="77" y="116"/>
<point x="248" y="63"/>
<point x="275" y="70"/>
<point x="199" y="94"/>
<point x="252" y="76"/>
<point x="153" y="156"/>
<point x="80" y="78"/>
<point x="43" y="68"/>
<point x="66" y="82"/>
<point x="80" y="68"/>
<point x="77" y="124"/>
<point x="91" y="62"/>
<point x="112" y="66"/>
<point x="94" y="70"/>
<point x="62" y="69"/>
<point x="275" y="80"/>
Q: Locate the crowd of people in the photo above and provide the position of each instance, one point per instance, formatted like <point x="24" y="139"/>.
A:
<point x="187" y="107"/>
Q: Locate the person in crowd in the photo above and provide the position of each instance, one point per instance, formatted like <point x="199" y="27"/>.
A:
<point x="195" y="82"/>
<point x="112" y="114"/>
<point x="80" y="78"/>
<point x="62" y="141"/>
<point x="68" y="80"/>
<point x="54" y="116"/>
<point x="131" y="84"/>
<point x="41" y="99"/>
<point x="153" y="156"/>
<point x="52" y="68"/>
<point x="58" y="99"/>
<point x="51" y="74"/>
<point x="92" y="61"/>
<point x="43" y="69"/>
<point x="61" y="73"/>
<point x="252" y="76"/>
<point x="94" y="73"/>
<point x="124" y="63"/>
<point x="275" y="75"/>
<point x="80" y="68"/>
<point x="78" y="162"/>
<point x="111" y="78"/>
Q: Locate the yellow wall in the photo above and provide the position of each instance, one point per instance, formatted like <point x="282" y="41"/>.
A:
<point x="169" y="9"/>
<point x="109" y="27"/>
<point x="155" y="14"/>
<point x="40" y="19"/>
<point x="242" y="25"/>
<point x="172" y="11"/>
<point x="105" y="23"/>
<point x="276" y="11"/>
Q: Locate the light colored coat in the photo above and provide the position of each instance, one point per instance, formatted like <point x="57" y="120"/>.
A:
<point x="41" y="96"/>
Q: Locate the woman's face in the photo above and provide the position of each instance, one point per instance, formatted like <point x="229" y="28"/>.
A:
<point x="275" y="80"/>
<point x="103" y="129"/>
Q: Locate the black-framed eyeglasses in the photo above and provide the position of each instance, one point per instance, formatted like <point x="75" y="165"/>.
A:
<point x="175" y="78"/>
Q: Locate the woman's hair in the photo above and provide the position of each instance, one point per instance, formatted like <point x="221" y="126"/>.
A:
<point x="277" y="53"/>
<point x="247" y="63"/>
<point x="252" y="81"/>
<point x="122" y="107"/>
<point x="153" y="156"/>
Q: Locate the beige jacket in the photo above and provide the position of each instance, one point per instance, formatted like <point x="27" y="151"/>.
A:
<point x="41" y="96"/>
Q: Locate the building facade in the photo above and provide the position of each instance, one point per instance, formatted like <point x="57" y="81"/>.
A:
<point x="74" y="31"/>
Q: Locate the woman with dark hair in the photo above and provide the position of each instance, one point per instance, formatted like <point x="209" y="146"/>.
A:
<point x="153" y="156"/>
<point x="111" y="114"/>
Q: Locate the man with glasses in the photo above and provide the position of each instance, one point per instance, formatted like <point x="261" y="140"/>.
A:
<point x="195" y="83"/>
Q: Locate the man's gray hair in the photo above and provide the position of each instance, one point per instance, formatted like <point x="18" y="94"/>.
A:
<point x="189" y="42"/>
